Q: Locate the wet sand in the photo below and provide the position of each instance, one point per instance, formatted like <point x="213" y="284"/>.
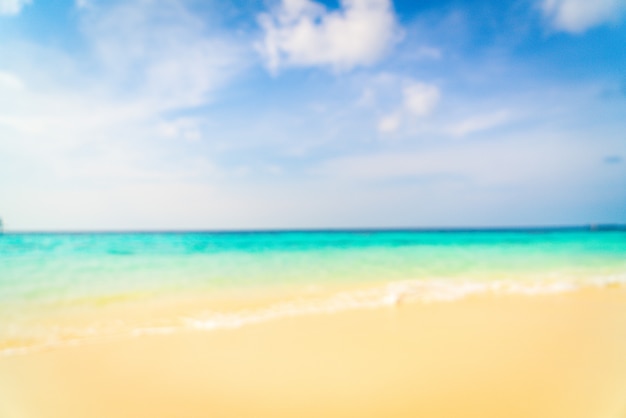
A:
<point x="514" y="356"/>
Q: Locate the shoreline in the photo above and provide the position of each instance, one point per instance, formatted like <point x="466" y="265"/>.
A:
<point x="556" y="355"/>
<point x="105" y="318"/>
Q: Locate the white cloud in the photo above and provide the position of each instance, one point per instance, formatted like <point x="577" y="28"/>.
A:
<point x="389" y="123"/>
<point x="10" y="81"/>
<point x="188" y="129"/>
<point x="304" y="33"/>
<point x="417" y="100"/>
<point x="12" y="7"/>
<point x="161" y="52"/>
<point x="420" y="99"/>
<point x="94" y="119"/>
<point x="504" y="161"/>
<point x="480" y="123"/>
<point x="576" y="16"/>
<point x="82" y="4"/>
<point x="148" y="58"/>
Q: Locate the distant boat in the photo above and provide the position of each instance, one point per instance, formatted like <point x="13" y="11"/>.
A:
<point x="607" y="227"/>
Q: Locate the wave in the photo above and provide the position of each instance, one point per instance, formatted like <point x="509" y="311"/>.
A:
<point x="391" y="295"/>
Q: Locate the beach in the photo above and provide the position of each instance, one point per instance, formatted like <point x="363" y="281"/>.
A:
<point x="558" y="355"/>
<point x="312" y="209"/>
<point x="519" y="325"/>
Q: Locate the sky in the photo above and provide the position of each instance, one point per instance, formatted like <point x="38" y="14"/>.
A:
<point x="254" y="114"/>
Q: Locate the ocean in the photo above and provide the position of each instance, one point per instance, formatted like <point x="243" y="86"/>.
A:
<point x="69" y="288"/>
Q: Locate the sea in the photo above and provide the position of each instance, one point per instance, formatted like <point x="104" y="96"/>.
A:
<point x="73" y="288"/>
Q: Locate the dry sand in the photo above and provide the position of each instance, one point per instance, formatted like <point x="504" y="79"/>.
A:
<point x="513" y="356"/>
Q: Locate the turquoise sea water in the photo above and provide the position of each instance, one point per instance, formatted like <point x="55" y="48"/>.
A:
<point x="56" y="271"/>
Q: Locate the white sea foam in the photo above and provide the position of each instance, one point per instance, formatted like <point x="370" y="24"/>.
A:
<point x="390" y="295"/>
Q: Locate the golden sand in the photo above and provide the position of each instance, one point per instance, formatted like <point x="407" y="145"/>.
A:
<point x="513" y="356"/>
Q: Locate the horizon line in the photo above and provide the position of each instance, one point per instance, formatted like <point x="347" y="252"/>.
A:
<point x="534" y="228"/>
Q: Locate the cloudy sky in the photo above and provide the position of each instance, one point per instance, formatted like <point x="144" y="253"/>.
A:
<point x="192" y="114"/>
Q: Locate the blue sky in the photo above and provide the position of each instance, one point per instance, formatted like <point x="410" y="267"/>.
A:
<point x="189" y="114"/>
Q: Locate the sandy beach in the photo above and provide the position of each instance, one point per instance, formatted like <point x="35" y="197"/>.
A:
<point x="557" y="356"/>
<point x="312" y="209"/>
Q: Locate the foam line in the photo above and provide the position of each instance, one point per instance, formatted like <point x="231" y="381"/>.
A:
<point x="392" y="294"/>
